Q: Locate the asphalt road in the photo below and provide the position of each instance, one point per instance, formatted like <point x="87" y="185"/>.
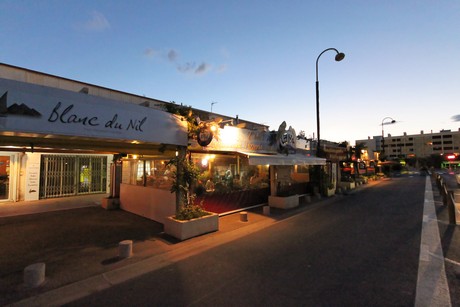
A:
<point x="359" y="250"/>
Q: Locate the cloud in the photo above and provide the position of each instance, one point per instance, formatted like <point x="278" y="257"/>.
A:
<point x="186" y="67"/>
<point x="97" y="22"/>
<point x="456" y="118"/>
<point x="221" y="68"/>
<point x="172" y="55"/>
<point x="202" y="68"/>
<point x="149" y="52"/>
<point x="190" y="67"/>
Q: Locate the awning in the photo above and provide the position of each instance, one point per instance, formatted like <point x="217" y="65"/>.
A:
<point x="279" y="159"/>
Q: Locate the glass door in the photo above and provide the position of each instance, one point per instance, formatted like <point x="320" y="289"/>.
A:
<point x="4" y="177"/>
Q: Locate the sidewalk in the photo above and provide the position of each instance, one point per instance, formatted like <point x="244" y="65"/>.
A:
<point x="79" y="246"/>
<point x="450" y="241"/>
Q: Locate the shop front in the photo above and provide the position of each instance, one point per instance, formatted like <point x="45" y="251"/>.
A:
<point x="58" y="143"/>
<point x="241" y="168"/>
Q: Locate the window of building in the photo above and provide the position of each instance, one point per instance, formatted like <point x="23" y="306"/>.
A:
<point x="221" y="173"/>
<point x="155" y="173"/>
<point x="447" y="136"/>
<point x="436" y="137"/>
<point x="66" y="175"/>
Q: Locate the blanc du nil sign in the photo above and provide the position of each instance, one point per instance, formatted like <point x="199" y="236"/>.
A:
<point x="30" y="108"/>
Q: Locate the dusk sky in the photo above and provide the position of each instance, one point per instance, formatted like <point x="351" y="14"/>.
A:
<point x="257" y="59"/>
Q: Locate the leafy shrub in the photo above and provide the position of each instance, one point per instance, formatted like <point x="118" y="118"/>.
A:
<point x="190" y="210"/>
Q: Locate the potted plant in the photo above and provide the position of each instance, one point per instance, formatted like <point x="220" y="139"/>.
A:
<point x="284" y="198"/>
<point x="191" y="219"/>
<point x="327" y="184"/>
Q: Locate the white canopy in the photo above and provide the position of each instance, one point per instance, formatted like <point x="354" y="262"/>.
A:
<point x="279" y="159"/>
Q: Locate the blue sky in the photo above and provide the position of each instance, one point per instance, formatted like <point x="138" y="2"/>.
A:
<point x="256" y="59"/>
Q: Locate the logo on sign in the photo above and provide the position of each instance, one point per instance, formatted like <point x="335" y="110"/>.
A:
<point x="204" y="136"/>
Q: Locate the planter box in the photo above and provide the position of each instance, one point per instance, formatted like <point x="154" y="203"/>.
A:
<point x="283" y="202"/>
<point x="347" y="185"/>
<point x="184" y="230"/>
<point x="330" y="192"/>
<point x="110" y="203"/>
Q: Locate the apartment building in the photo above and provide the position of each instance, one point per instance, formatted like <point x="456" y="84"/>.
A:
<point x="415" y="145"/>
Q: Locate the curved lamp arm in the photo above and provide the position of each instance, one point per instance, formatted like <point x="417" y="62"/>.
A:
<point x="338" y="57"/>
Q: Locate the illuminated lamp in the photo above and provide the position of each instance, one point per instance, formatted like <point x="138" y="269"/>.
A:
<point x="213" y="128"/>
<point x="451" y="157"/>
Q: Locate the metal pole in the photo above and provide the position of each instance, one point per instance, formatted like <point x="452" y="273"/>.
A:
<point x="338" y="57"/>
<point x="318" y="144"/>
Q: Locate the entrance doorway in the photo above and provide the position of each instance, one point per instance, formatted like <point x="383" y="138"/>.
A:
<point x="62" y="175"/>
<point x="4" y="177"/>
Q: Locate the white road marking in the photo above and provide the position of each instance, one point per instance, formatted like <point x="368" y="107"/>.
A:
<point x="432" y="286"/>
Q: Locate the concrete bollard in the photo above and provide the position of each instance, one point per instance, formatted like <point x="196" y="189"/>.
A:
<point x="457" y="196"/>
<point x="125" y="249"/>
<point x="307" y="199"/>
<point x="266" y="210"/>
<point x="243" y="216"/>
<point x="34" y="274"/>
<point x="456" y="205"/>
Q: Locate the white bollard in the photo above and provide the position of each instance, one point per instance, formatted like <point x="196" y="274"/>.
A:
<point x="457" y="206"/>
<point x="457" y="196"/>
<point x="266" y="210"/>
<point x="34" y="274"/>
<point x="243" y="216"/>
<point x="125" y="249"/>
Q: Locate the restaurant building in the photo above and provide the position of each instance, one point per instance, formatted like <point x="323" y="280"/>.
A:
<point x="241" y="167"/>
<point x="61" y="137"/>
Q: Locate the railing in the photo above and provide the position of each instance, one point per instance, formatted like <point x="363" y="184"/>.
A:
<point x="449" y="199"/>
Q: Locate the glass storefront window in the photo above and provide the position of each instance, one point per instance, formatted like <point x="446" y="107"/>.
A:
<point x="220" y="173"/>
<point x="148" y="173"/>
<point x="4" y="176"/>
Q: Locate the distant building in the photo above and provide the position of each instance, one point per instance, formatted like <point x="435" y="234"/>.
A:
<point x="413" y="146"/>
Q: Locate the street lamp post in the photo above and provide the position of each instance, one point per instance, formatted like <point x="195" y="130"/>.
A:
<point x="338" y="57"/>
<point x="212" y="104"/>
<point x="392" y="121"/>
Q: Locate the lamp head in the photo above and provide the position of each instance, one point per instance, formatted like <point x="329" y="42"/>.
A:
<point x="340" y="56"/>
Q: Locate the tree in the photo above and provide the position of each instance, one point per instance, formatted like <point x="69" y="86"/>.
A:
<point x="358" y="152"/>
